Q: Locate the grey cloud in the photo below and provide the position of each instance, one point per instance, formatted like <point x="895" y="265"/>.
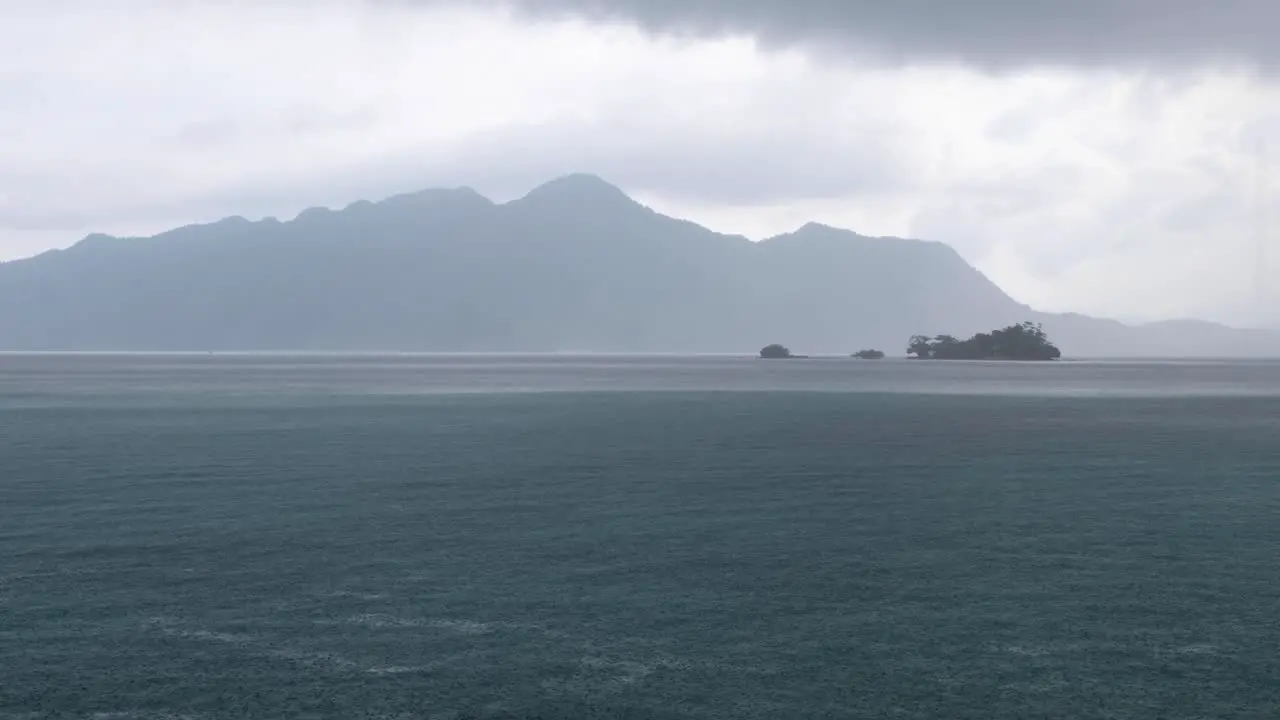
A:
<point x="209" y="132"/>
<point x="27" y="221"/>
<point x="758" y="168"/>
<point x="768" y="163"/>
<point x="58" y="219"/>
<point x="1015" y="126"/>
<point x="1201" y="215"/>
<point x="988" y="33"/>
<point x="291" y="123"/>
<point x="965" y="213"/>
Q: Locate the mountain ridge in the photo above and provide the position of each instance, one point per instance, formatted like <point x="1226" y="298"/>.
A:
<point x="574" y="264"/>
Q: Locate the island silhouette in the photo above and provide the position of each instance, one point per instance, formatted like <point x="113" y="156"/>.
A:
<point x="779" y="352"/>
<point x="1021" y="341"/>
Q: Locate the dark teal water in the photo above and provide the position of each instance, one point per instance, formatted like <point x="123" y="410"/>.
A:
<point x="408" y="537"/>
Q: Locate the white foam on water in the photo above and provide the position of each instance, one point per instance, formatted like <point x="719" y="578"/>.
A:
<point x="357" y="595"/>
<point x="382" y="620"/>
<point x="1028" y="650"/>
<point x="262" y="647"/>
<point x="399" y="670"/>
<point x="606" y="675"/>
<point x="466" y="627"/>
<point x="169" y="627"/>
<point x="1196" y="649"/>
<point x="461" y="627"/>
<point x="130" y="715"/>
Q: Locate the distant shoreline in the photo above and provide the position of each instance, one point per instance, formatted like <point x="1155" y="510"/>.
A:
<point x="740" y="355"/>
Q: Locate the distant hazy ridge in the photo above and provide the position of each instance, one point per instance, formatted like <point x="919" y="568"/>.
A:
<point x="575" y="265"/>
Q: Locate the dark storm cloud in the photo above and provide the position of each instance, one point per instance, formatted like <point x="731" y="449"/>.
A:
<point x="988" y="33"/>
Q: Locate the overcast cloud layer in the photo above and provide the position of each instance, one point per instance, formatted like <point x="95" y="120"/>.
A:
<point x="1117" y="181"/>
<point x="987" y="33"/>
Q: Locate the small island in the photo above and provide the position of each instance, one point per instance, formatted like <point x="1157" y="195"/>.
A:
<point x="778" y="352"/>
<point x="869" y="355"/>
<point x="1023" y="341"/>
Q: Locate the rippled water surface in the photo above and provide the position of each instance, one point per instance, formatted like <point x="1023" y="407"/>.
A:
<point x="221" y="536"/>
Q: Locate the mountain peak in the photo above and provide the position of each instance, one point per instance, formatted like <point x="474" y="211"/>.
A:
<point x="817" y="228"/>
<point x="95" y="240"/>
<point x="437" y="196"/>
<point x="816" y="232"/>
<point x="578" y="188"/>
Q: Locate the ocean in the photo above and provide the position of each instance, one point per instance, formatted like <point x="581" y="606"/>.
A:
<point x="382" y="536"/>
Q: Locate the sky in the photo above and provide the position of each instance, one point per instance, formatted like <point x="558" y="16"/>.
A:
<point x="1110" y="157"/>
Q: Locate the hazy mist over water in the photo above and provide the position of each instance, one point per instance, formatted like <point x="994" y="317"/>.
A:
<point x="641" y="537"/>
<point x="140" y="377"/>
